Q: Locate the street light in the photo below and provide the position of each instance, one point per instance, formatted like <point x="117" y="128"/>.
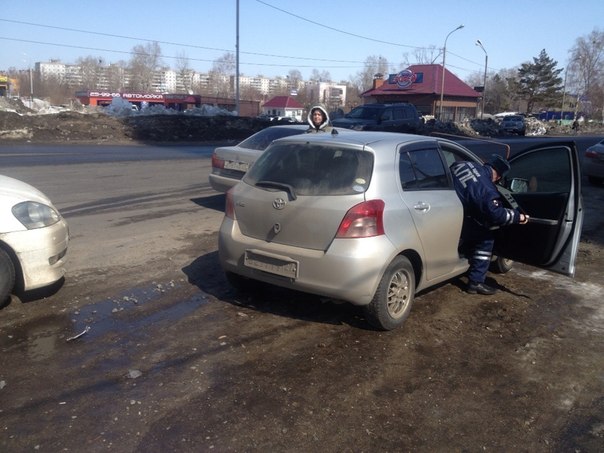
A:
<point x="442" y="86"/>
<point x="484" y="85"/>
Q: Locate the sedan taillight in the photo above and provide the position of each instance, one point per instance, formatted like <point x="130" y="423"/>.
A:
<point x="216" y="161"/>
<point x="363" y="220"/>
<point x="229" y="208"/>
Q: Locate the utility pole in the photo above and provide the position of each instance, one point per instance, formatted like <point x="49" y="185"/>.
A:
<point x="237" y="64"/>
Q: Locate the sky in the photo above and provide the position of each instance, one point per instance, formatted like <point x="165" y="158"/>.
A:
<point x="276" y="36"/>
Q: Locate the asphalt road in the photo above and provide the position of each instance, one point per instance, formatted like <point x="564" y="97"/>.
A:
<point x="168" y="358"/>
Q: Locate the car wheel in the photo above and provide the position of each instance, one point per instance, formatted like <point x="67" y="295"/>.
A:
<point x="501" y="265"/>
<point x="7" y="276"/>
<point x="392" y="301"/>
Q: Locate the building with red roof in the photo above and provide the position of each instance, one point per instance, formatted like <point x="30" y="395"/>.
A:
<point x="283" y="106"/>
<point x="421" y="85"/>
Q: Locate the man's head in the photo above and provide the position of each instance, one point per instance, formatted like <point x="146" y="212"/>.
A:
<point x="500" y="165"/>
<point x="317" y="116"/>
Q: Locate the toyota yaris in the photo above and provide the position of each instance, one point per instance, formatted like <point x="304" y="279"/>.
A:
<point x="372" y="218"/>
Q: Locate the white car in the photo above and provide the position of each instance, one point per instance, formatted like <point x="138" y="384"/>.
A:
<point x="33" y="238"/>
<point x="230" y="163"/>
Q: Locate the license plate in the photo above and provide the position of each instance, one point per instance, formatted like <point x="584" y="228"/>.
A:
<point x="234" y="165"/>
<point x="271" y="264"/>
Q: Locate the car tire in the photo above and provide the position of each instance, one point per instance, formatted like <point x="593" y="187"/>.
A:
<point x="501" y="265"/>
<point x="393" y="298"/>
<point x="7" y="276"/>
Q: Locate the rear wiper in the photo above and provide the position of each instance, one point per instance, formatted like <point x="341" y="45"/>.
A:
<point x="279" y="185"/>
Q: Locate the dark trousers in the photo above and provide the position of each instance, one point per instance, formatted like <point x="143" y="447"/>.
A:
<point x="477" y="245"/>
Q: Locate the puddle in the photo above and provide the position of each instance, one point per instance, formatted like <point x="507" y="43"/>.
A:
<point x="131" y="312"/>
<point x="127" y="314"/>
<point x="39" y="340"/>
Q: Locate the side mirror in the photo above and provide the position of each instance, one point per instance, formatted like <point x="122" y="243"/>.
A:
<point x="518" y="185"/>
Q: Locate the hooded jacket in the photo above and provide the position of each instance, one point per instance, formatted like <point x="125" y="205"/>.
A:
<point x="325" y="126"/>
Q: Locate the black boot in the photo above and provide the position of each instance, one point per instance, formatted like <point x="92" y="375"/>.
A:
<point x="480" y="288"/>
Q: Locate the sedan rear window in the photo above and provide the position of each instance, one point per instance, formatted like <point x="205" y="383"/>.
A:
<point x="312" y="169"/>
<point x="260" y="140"/>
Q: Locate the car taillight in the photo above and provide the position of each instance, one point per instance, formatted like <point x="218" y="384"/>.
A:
<point x="216" y="161"/>
<point x="229" y="207"/>
<point x="363" y="220"/>
<point x="591" y="154"/>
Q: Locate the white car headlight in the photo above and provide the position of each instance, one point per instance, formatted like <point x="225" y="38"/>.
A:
<point x="35" y="215"/>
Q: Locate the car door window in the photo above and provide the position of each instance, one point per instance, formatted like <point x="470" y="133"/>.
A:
<point x="422" y="169"/>
<point x="386" y="115"/>
<point x="537" y="175"/>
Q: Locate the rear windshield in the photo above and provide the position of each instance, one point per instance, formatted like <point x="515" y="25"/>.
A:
<point x="260" y="140"/>
<point x="312" y="169"/>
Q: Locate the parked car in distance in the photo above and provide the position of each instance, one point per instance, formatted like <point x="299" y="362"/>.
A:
<point x="33" y="238"/>
<point x="401" y="117"/>
<point x="229" y="163"/>
<point x="593" y="164"/>
<point x="371" y="218"/>
<point x="513" y="124"/>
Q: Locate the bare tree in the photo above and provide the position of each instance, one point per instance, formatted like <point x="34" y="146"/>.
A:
<point x="502" y="91"/>
<point x="144" y="63"/>
<point x="422" y="55"/>
<point x="91" y="72"/>
<point x="373" y="65"/>
<point x="586" y="71"/>
<point x="115" y="74"/>
<point x="220" y="76"/>
<point x="184" y="71"/>
<point x="320" y="76"/>
<point x="225" y="64"/>
<point x="295" y="77"/>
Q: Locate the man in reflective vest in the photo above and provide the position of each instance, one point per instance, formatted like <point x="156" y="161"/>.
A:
<point x="483" y="212"/>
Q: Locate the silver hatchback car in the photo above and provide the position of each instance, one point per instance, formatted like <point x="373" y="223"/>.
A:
<point x="372" y="218"/>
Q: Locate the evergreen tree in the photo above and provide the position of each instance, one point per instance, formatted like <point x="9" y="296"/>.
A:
<point x="540" y="82"/>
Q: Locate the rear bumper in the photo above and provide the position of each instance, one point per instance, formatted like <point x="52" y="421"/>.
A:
<point x="349" y="270"/>
<point x="221" y="183"/>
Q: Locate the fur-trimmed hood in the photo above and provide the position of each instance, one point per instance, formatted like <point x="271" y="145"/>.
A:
<point x="323" y="125"/>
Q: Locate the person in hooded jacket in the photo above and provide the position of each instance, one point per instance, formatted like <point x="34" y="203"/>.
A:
<point x="318" y="119"/>
<point x="483" y="212"/>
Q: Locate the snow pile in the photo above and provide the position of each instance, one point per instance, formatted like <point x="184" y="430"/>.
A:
<point x="120" y="107"/>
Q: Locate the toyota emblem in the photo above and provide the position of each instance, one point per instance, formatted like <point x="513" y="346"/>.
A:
<point x="279" y="203"/>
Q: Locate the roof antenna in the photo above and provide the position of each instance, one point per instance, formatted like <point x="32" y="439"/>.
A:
<point x="334" y="131"/>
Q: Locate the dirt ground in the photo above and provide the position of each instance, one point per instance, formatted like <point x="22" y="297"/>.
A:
<point x="175" y="360"/>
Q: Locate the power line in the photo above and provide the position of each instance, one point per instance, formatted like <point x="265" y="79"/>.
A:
<point x="354" y="34"/>
<point x="133" y="38"/>
<point x="336" y="29"/>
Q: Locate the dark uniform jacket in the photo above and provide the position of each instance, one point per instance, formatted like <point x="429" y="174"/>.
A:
<point x="479" y="196"/>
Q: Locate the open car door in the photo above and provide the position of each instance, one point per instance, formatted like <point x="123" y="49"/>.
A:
<point x="545" y="182"/>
